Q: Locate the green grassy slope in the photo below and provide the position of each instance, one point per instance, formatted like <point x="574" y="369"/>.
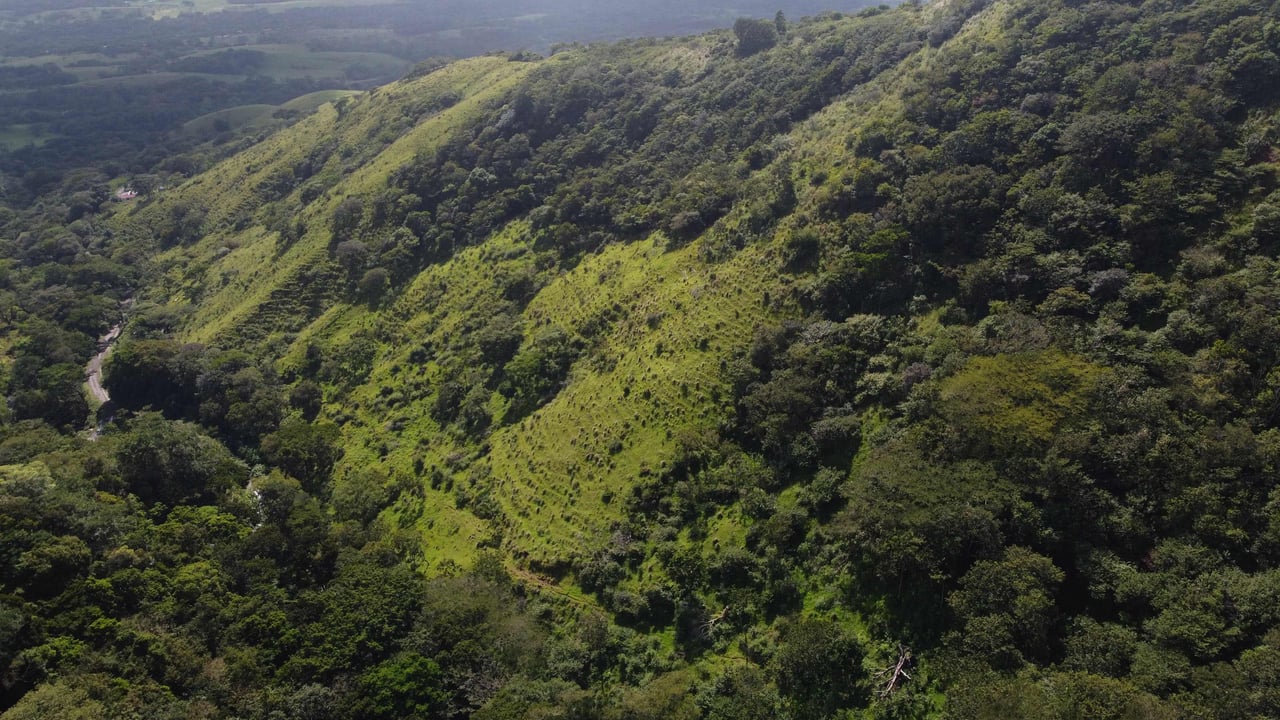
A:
<point x="243" y="117"/>
<point x="312" y="101"/>
<point x="560" y="475"/>
<point x="248" y="277"/>
<point x="897" y="325"/>
<point x="16" y="136"/>
<point x="659" y="324"/>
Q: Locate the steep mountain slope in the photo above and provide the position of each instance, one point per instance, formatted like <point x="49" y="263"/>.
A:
<point x="947" y="326"/>
<point x="633" y="319"/>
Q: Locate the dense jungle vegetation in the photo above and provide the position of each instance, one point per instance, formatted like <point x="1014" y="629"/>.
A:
<point x="920" y="362"/>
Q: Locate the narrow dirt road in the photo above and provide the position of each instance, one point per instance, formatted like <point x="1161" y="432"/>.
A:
<point x="93" y="371"/>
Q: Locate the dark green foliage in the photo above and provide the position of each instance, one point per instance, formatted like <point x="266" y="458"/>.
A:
<point x="355" y="618"/>
<point x="740" y="694"/>
<point x="360" y="495"/>
<point x="1018" y="410"/>
<point x="1006" y="608"/>
<point x="224" y="390"/>
<point x="172" y="463"/>
<point x="755" y="35"/>
<point x="98" y="592"/>
<point x="372" y="285"/>
<point x="159" y="374"/>
<point x="238" y="397"/>
<point x="55" y="397"/>
<point x="307" y="398"/>
<point x="404" y="687"/>
<point x="949" y="211"/>
<point x="346" y="218"/>
<point x="616" y="150"/>
<point x="819" y="669"/>
<point x="794" y="366"/>
<point x="45" y="377"/>
<point x="537" y="370"/>
<point x="181" y="225"/>
<point x="45" y="570"/>
<point x="500" y="338"/>
<point x="1055" y="696"/>
<point x="304" y="450"/>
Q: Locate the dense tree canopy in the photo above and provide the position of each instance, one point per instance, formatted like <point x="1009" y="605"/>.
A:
<point x="917" y="363"/>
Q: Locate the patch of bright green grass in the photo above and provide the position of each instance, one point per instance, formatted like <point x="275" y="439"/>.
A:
<point x="659" y="324"/>
<point x="1018" y="401"/>
<point x="27" y="473"/>
<point x="561" y="475"/>
<point x="155" y="78"/>
<point x="85" y="66"/>
<point x="311" y="102"/>
<point x="13" y="137"/>
<point x="161" y="9"/>
<point x="296" y="62"/>
<point x="235" y="118"/>
<point x="234" y="274"/>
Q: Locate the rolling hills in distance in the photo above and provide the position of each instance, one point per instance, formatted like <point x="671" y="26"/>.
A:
<point x="119" y="84"/>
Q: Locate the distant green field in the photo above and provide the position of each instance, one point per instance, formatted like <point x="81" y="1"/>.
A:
<point x="312" y="101"/>
<point x="285" y="62"/>
<point x="85" y="73"/>
<point x="173" y="8"/>
<point x="18" y="136"/>
<point x="85" y="66"/>
<point x="258" y="117"/>
<point x="280" y="62"/>
<point x="236" y="118"/>
<point x="66" y="61"/>
<point x="156" y="78"/>
<point x="294" y="62"/>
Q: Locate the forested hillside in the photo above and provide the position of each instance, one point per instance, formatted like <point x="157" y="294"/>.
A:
<point x="918" y="363"/>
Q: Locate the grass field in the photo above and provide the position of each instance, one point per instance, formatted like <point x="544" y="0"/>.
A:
<point x="250" y="118"/>
<point x="292" y="62"/>
<point x="168" y="8"/>
<point x="13" y="137"/>
<point x="280" y="62"/>
<point x="312" y="101"/>
<point x="561" y="474"/>
<point x="156" y="78"/>
<point x="350" y="65"/>
<point x="244" y="117"/>
<point x="85" y="66"/>
<point x="161" y="9"/>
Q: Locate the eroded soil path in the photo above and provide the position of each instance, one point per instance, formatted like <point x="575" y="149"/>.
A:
<point x="93" y="371"/>
<point x="93" y="377"/>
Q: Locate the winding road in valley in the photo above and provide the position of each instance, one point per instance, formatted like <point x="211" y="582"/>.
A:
<point x="93" y="376"/>
<point x="93" y="371"/>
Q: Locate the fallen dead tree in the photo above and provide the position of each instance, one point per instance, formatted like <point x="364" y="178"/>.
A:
<point x="893" y="675"/>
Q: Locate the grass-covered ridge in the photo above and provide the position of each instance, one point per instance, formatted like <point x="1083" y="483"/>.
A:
<point x="248" y="182"/>
<point x="651" y="327"/>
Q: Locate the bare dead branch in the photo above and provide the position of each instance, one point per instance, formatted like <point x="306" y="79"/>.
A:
<point x="896" y="672"/>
